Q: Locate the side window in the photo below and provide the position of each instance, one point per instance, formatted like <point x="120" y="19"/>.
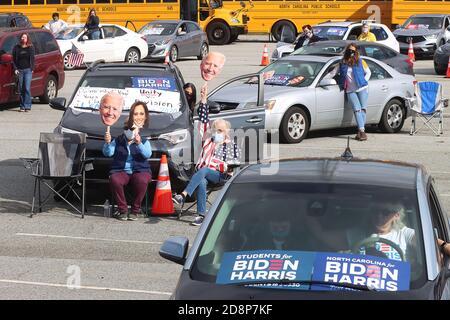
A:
<point x="378" y="73"/>
<point x="375" y="52"/>
<point x="119" y="32"/>
<point x="437" y="216"/>
<point x="9" y="44"/>
<point x="379" y="33"/>
<point x="21" y="22"/>
<point x="354" y="33"/>
<point x="389" y="53"/>
<point x="46" y="42"/>
<point x="191" y="27"/>
<point x="36" y="43"/>
<point x="446" y="23"/>
<point x="108" y="32"/>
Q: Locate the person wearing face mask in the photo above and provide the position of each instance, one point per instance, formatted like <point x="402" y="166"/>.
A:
<point x="307" y="37"/>
<point x="354" y="75"/>
<point x="23" y="64"/>
<point x="366" y="35"/>
<point x="130" y="161"/>
<point x="218" y="152"/>
<point x="191" y="95"/>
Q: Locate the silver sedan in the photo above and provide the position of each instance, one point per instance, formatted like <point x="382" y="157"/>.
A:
<point x="297" y="99"/>
<point x="177" y="38"/>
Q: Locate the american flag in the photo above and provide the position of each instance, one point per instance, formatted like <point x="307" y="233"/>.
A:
<point x="76" y="57"/>
<point x="203" y="125"/>
<point x="373" y="271"/>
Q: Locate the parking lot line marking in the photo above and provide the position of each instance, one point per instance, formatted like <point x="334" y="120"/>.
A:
<point x="84" y="238"/>
<point x="83" y="287"/>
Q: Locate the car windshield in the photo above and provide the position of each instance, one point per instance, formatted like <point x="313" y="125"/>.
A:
<point x="330" y="32"/>
<point x="423" y="22"/>
<point x="68" y="33"/>
<point x="291" y="73"/>
<point x="320" y="49"/>
<point x="161" y="93"/>
<point x="158" y="29"/>
<point x="331" y="226"/>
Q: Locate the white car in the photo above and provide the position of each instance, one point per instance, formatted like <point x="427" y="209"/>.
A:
<point x="116" y="43"/>
<point x="343" y="30"/>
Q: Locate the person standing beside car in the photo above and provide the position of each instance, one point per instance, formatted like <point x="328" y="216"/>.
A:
<point x="307" y="37"/>
<point x="23" y="63"/>
<point x="92" y="25"/>
<point x="55" y="25"/>
<point x="354" y="75"/>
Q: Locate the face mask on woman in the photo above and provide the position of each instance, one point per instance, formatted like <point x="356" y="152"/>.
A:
<point x="350" y="52"/>
<point x="218" y="137"/>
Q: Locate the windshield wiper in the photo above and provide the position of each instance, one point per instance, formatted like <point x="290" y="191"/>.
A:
<point x="309" y="282"/>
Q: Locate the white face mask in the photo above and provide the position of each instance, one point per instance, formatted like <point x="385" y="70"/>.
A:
<point x="129" y="134"/>
<point x="218" y="137"/>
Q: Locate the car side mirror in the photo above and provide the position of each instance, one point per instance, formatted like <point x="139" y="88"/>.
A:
<point x="175" y="249"/>
<point x="327" y="82"/>
<point x="58" y="103"/>
<point x="214" y="107"/>
<point x="5" y="57"/>
<point x="83" y="38"/>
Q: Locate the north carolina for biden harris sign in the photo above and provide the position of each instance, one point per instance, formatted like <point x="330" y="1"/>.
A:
<point x="270" y="266"/>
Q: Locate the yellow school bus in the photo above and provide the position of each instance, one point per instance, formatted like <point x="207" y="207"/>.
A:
<point x="222" y="24"/>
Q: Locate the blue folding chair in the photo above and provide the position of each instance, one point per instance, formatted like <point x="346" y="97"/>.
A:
<point x="427" y="105"/>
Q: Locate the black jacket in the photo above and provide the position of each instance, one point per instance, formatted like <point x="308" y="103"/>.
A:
<point x="15" y="54"/>
<point x="302" y="39"/>
<point x="92" y="24"/>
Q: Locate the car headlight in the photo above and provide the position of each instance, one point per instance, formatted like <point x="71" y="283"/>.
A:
<point x="234" y="20"/>
<point x="431" y="36"/>
<point x="268" y="104"/>
<point x="176" y="136"/>
<point x="162" y="42"/>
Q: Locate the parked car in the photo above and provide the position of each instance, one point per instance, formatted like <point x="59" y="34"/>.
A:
<point x="426" y="31"/>
<point x="48" y="74"/>
<point x="178" y="38"/>
<point x="14" y="20"/>
<point x="441" y="57"/>
<point x="344" y="30"/>
<point x="307" y="232"/>
<point x="116" y="43"/>
<point x="315" y="103"/>
<point x="400" y="62"/>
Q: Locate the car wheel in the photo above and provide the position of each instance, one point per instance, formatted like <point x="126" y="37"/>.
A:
<point x="50" y="90"/>
<point x="441" y="43"/>
<point x="173" y="53"/>
<point x="218" y="33"/>
<point x="294" y="125"/>
<point x="132" y="56"/>
<point x="439" y="69"/>
<point x="393" y="117"/>
<point x="278" y="28"/>
<point x="67" y="65"/>
<point x="203" y="51"/>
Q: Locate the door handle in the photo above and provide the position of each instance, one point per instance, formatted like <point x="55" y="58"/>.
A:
<point x="254" y="120"/>
<point x="384" y="88"/>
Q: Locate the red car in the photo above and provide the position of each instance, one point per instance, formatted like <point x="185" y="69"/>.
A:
<point x="48" y="73"/>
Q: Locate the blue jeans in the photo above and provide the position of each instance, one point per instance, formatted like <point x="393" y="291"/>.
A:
<point x="25" y="88"/>
<point x="95" y="35"/>
<point x="199" y="181"/>
<point x="358" y="101"/>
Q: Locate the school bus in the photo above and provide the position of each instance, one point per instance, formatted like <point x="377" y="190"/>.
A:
<point x="222" y="24"/>
<point x="271" y="16"/>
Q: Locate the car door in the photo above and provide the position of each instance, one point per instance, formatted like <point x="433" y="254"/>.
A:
<point x="94" y="49"/>
<point x="7" y="80"/>
<point x="195" y="38"/>
<point x="117" y="41"/>
<point x="182" y="40"/>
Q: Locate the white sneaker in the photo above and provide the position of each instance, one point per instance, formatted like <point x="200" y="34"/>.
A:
<point x="198" y="220"/>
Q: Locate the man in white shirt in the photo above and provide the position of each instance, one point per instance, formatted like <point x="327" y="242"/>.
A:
<point x="55" y="25"/>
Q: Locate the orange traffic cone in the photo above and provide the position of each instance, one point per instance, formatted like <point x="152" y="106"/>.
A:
<point x="167" y="59"/>
<point x="447" y="75"/>
<point x="265" y="57"/>
<point x="162" y="201"/>
<point x="411" y="55"/>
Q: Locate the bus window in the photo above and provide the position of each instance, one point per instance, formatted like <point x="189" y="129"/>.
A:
<point x="53" y="1"/>
<point x="104" y="1"/>
<point x="21" y="2"/>
<point x="5" y="3"/>
<point x="70" y="1"/>
<point x="170" y="0"/>
<point x="36" y="1"/>
<point x="141" y="1"/>
<point x="85" y="1"/>
<point x="119" y="1"/>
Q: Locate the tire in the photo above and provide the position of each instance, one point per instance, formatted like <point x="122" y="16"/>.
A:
<point x="132" y="55"/>
<point x="441" y="70"/>
<point x="173" y="53"/>
<point x="204" y="49"/>
<point x="294" y="125"/>
<point x="218" y="33"/>
<point x="278" y="27"/>
<point x="50" y="90"/>
<point x="393" y="117"/>
<point x="67" y="66"/>
<point x="441" y="43"/>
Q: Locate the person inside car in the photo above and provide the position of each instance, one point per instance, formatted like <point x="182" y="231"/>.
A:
<point x="307" y="37"/>
<point x="130" y="161"/>
<point x="92" y="25"/>
<point x="191" y="95"/>
<point x="366" y="35"/>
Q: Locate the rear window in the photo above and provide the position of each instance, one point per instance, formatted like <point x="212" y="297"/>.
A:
<point x="330" y="32"/>
<point x="160" y="92"/>
<point x="321" y="222"/>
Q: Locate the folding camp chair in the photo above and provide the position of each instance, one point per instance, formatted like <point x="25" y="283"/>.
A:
<point x="61" y="160"/>
<point x="427" y="105"/>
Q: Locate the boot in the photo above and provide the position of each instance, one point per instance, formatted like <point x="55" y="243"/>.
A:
<point x="358" y="136"/>
<point x="363" y="136"/>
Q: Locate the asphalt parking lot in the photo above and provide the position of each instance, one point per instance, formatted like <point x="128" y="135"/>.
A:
<point x="58" y="256"/>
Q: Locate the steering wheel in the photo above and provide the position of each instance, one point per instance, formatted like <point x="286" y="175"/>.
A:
<point x="369" y="242"/>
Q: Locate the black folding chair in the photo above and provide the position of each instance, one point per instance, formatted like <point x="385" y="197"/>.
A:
<point x="61" y="160"/>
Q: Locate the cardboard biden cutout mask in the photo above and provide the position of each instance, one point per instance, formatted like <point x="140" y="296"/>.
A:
<point x="111" y="106"/>
<point x="212" y="65"/>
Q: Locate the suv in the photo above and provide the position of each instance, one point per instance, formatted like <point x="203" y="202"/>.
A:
<point x="426" y="31"/>
<point x="343" y="30"/>
<point x="14" y="19"/>
<point x="48" y="73"/>
<point x="170" y="128"/>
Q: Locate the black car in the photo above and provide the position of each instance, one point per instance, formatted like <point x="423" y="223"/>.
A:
<point x="14" y="19"/>
<point x="316" y="229"/>
<point x="441" y="59"/>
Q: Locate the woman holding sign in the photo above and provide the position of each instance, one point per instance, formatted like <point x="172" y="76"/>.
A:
<point x="130" y="161"/>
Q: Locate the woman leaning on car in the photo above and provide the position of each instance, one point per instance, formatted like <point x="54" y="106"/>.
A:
<point x="92" y="25"/>
<point x="23" y="62"/>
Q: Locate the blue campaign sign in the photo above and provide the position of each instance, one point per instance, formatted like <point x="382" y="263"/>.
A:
<point x="374" y="272"/>
<point x="162" y="83"/>
<point x="266" y="266"/>
<point x="278" y="79"/>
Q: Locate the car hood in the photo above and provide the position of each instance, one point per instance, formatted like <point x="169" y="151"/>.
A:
<point x="151" y="38"/>
<point x="248" y="93"/>
<point x="415" y="32"/>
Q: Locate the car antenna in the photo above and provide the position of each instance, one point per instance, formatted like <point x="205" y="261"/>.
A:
<point x="347" y="155"/>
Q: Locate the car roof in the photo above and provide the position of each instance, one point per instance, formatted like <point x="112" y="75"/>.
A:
<point x="336" y="171"/>
<point x="439" y="15"/>
<point x="11" y="13"/>
<point x="346" y="42"/>
<point x="311" y="58"/>
<point x="345" y="23"/>
<point x="10" y="30"/>
<point x="114" y="69"/>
